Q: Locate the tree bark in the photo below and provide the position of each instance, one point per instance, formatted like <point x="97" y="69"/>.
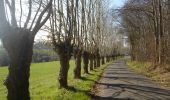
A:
<point x="91" y="62"/>
<point x="77" y="70"/>
<point x="113" y="57"/>
<point x="98" y="60"/>
<point x="103" y="61"/>
<point x="19" y="44"/>
<point x="107" y="59"/>
<point x="94" y="61"/>
<point x="86" y="61"/>
<point x="64" y="54"/>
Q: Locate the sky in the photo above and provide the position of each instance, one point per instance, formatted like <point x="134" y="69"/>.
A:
<point x="117" y="3"/>
<point x="114" y="4"/>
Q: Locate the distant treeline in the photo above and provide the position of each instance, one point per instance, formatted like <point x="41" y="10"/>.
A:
<point x="41" y="53"/>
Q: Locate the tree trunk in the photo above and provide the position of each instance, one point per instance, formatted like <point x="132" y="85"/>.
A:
<point x="91" y="62"/>
<point x="161" y="38"/>
<point x="85" y="61"/>
<point x="103" y="61"/>
<point x="19" y="44"/>
<point x="77" y="70"/>
<point x="98" y="60"/>
<point x="157" y="50"/>
<point x="163" y="51"/>
<point x="113" y="57"/>
<point x="64" y="54"/>
<point x="107" y="59"/>
<point x="110" y="58"/>
<point x="94" y="61"/>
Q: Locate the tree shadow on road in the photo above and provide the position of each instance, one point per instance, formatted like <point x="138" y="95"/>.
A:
<point x="125" y="78"/>
<point x="109" y="98"/>
<point x="149" y="92"/>
<point x="123" y="81"/>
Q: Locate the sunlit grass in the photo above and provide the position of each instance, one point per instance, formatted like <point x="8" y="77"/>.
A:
<point x="44" y="85"/>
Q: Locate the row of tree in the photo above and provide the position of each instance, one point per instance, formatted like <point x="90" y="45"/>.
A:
<point x="147" y="24"/>
<point x="83" y="29"/>
<point x="79" y="28"/>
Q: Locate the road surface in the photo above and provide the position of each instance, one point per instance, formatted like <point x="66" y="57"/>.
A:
<point x="120" y="83"/>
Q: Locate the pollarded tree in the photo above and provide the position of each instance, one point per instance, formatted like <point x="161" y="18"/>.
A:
<point x="80" y="38"/>
<point x="17" y="33"/>
<point x="101" y="24"/>
<point x="62" y="27"/>
<point x="77" y="40"/>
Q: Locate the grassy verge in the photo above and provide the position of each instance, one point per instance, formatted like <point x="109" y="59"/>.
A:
<point x="158" y="74"/>
<point x="43" y="82"/>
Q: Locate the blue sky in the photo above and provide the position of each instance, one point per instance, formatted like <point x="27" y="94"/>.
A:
<point x="117" y="3"/>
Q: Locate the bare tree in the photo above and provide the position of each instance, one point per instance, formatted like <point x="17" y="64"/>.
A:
<point x="18" y="38"/>
<point x="145" y="21"/>
<point x="62" y="25"/>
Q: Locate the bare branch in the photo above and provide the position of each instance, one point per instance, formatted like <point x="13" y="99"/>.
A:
<point x="4" y="23"/>
<point x="8" y="3"/>
<point x="29" y="14"/>
<point x="35" y="15"/>
<point x="13" y="17"/>
<point x="20" y="13"/>
<point x="40" y="23"/>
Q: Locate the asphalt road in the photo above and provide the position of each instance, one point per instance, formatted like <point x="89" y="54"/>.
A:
<point x="120" y="83"/>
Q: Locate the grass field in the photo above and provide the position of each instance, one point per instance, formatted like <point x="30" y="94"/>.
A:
<point x="44" y="85"/>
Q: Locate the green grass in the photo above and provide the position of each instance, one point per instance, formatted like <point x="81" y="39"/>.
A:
<point x="44" y="84"/>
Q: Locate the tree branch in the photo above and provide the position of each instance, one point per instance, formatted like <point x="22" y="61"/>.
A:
<point x="35" y="15"/>
<point x="40" y="23"/>
<point x="29" y="14"/>
<point x="13" y="17"/>
<point x="4" y="23"/>
<point x="20" y="13"/>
